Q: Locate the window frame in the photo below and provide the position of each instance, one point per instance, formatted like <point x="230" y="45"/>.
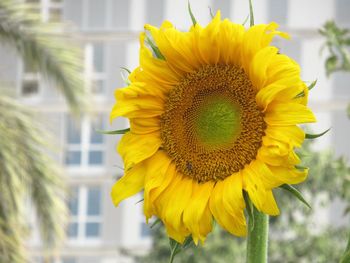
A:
<point x="85" y="146"/>
<point x="82" y="217"/>
<point x="91" y="75"/>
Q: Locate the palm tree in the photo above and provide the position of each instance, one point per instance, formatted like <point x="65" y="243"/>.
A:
<point x="26" y="170"/>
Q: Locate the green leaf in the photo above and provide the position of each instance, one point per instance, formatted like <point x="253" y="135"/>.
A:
<point x="296" y="193"/>
<point x="251" y="13"/>
<point x="194" y="21"/>
<point x="250" y="209"/>
<point x="310" y="87"/>
<point x="314" y="136"/>
<point x="331" y="64"/>
<point x="114" y="132"/>
<point x="154" y="48"/>
<point x="346" y="257"/>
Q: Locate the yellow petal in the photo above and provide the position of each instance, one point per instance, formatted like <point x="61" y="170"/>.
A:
<point x="288" y="114"/>
<point x="253" y="184"/>
<point x="259" y="66"/>
<point x="265" y="176"/>
<point x="256" y="176"/>
<point x="270" y="155"/>
<point x="154" y="69"/>
<point x="195" y="216"/>
<point x="156" y="172"/>
<point x="230" y="39"/>
<point x="270" y="206"/>
<point x="137" y="101"/>
<point x="144" y="125"/>
<point x="154" y="190"/>
<point x="292" y="135"/>
<point x="207" y="41"/>
<point x="172" y="202"/>
<point x="288" y="175"/>
<point x="257" y="37"/>
<point x="276" y="146"/>
<point x="176" y="47"/>
<point x="233" y="222"/>
<point x="177" y="234"/>
<point x="131" y="183"/>
<point x="135" y="148"/>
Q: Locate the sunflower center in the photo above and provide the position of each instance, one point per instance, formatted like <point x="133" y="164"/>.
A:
<point x="212" y="126"/>
<point x="217" y="123"/>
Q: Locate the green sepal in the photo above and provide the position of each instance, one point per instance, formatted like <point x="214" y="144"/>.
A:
<point x="188" y="241"/>
<point x="125" y="79"/>
<point x="310" y="87"/>
<point x="126" y="69"/>
<point x="250" y="209"/>
<point x="296" y="193"/>
<point x="245" y="20"/>
<point x="154" y="48"/>
<point x="300" y="167"/>
<point x="251" y="13"/>
<point x="141" y="200"/>
<point x="211" y="12"/>
<point x="176" y="247"/>
<point x="314" y="136"/>
<point x="114" y="132"/>
<point x="194" y="21"/>
<point x="155" y="223"/>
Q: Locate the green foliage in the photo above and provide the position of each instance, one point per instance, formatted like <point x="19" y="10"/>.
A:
<point x="337" y="44"/>
<point x="293" y="237"/>
<point x="44" y="47"/>
<point x="220" y="247"/>
<point x="26" y="173"/>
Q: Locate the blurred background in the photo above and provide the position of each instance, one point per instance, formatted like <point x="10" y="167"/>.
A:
<point x="69" y="92"/>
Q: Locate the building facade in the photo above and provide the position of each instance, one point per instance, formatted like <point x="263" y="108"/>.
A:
<point x="108" y="32"/>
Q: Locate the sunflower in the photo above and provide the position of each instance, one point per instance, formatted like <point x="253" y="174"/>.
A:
<point x="213" y="112"/>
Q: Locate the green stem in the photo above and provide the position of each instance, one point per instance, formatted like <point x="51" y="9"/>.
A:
<point x="257" y="238"/>
<point x="174" y="251"/>
<point x="346" y="257"/>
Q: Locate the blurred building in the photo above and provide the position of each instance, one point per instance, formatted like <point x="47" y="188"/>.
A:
<point x="108" y="31"/>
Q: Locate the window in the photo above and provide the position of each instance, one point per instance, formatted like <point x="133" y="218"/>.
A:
<point x="277" y="11"/>
<point x="224" y="6"/>
<point x="85" y="146"/>
<point x="50" y="10"/>
<point x="155" y="12"/>
<point x="95" y="68"/>
<point x="342" y="12"/>
<point x="105" y="14"/>
<point x="30" y="82"/>
<point x="68" y="260"/>
<point x="85" y="213"/>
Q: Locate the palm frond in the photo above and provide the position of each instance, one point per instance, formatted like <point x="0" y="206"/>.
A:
<point x="27" y="173"/>
<point x="44" y="47"/>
